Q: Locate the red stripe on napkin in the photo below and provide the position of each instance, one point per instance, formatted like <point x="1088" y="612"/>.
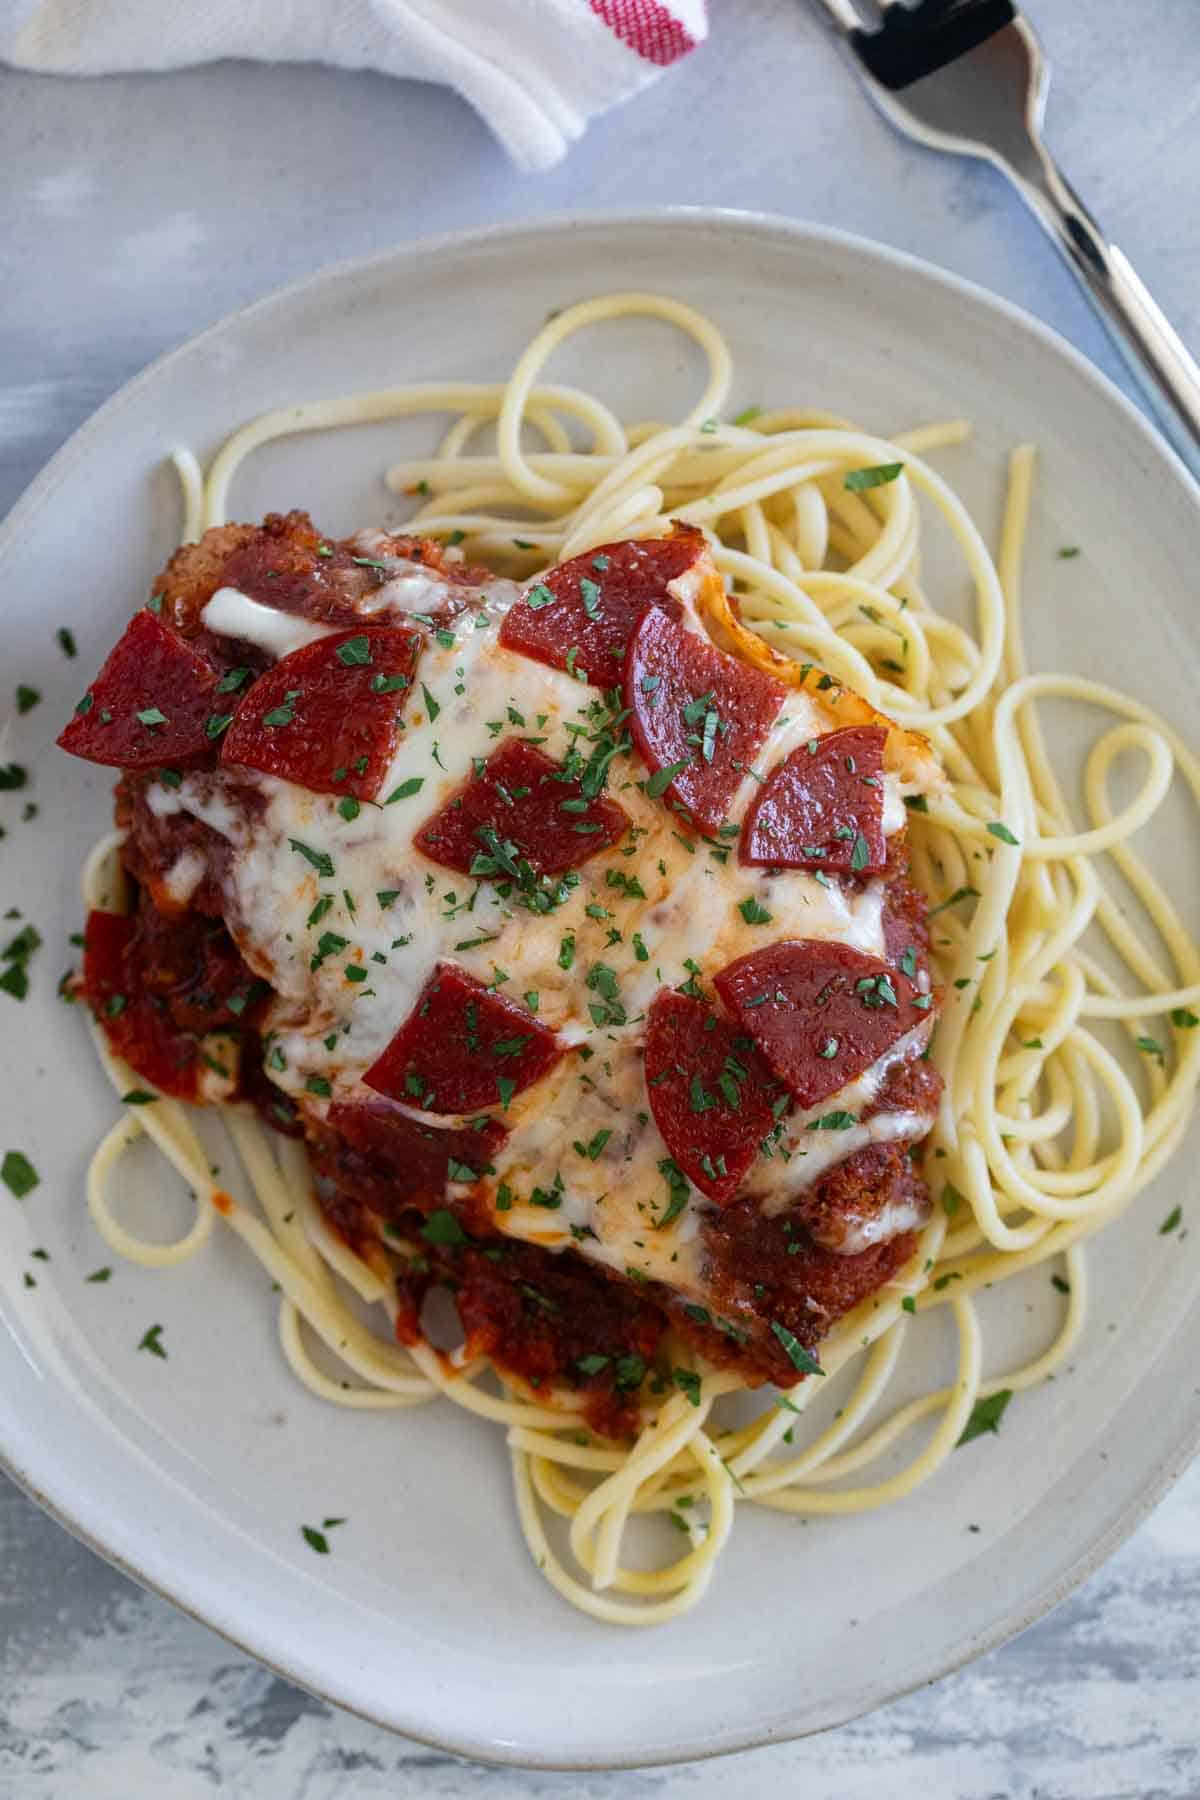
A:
<point x="647" y="27"/>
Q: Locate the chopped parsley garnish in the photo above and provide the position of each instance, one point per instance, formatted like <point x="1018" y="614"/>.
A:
<point x="138" y="1097"/>
<point x="151" y="715"/>
<point x="284" y="714"/>
<point x="608" y="1008"/>
<point x="231" y="682"/>
<point x="594" y="1145"/>
<point x="797" y="1355"/>
<point x="678" y="1190"/>
<point x="441" y="1227"/>
<point x="951" y="1199"/>
<point x="1171" y="1222"/>
<point x="661" y="780"/>
<point x="97" y="1275"/>
<point x="18" y="1174"/>
<point x="317" y="1084"/>
<point x="16" y="955"/>
<point x="27" y="698"/>
<point x="834" y="1121"/>
<point x="320" y="860"/>
<point x="986" y="1415"/>
<point x="538" y="596"/>
<point x="1001" y="831"/>
<point x="152" y="1341"/>
<point x="688" y="1382"/>
<point x="630" y="1370"/>
<point x="66" y="641"/>
<point x="962" y="893"/>
<point x="878" y="476"/>
<point x="432" y="706"/>
<point x="355" y="652"/>
<point x="753" y="913"/>
<point x="413" y="785"/>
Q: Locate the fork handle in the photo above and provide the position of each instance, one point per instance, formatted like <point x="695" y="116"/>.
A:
<point x="1155" y="353"/>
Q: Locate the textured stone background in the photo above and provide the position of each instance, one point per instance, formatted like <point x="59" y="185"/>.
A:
<point x="135" y="210"/>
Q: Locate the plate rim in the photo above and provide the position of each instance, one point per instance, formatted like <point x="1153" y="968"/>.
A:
<point x="800" y="235"/>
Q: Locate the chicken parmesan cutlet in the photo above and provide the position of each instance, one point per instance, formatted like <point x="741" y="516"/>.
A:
<point x="569" y="926"/>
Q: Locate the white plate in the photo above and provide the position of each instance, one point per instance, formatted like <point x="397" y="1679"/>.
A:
<point x="195" y="1473"/>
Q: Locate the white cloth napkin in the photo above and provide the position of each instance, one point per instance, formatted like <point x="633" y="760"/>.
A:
<point x="537" y="70"/>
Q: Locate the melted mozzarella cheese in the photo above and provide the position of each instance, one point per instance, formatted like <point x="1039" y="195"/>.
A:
<point x="390" y="911"/>
<point x="235" y="615"/>
<point x="184" y="876"/>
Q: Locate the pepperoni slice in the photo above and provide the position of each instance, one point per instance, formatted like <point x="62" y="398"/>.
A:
<point x="822" y="807"/>
<point x="820" y="1012"/>
<point x="462" y="1047"/>
<point x="710" y="1092"/>
<point x="520" y="808"/>
<point x="699" y="717"/>
<point x="326" y="716"/>
<point x="402" y="1161"/>
<point x="150" y="703"/>
<point x="591" y="604"/>
<point x="136" y="1023"/>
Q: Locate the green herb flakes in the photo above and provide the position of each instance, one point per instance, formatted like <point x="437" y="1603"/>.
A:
<point x="858" y="480"/>
<point x="797" y="1355"/>
<point x="320" y="860"/>
<point x="442" y="1227"/>
<point x="18" y="1174"/>
<point x="986" y="1415"/>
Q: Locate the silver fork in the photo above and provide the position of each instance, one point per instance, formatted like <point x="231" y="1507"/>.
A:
<point x="969" y="76"/>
